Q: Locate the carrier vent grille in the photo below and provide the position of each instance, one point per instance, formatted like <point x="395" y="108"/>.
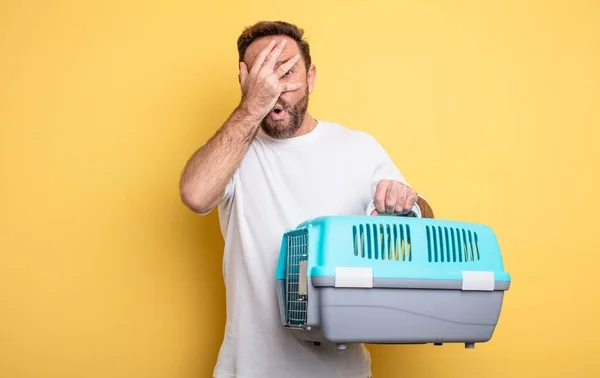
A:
<point x="296" y="295"/>
<point x="382" y="242"/>
<point x="446" y="244"/>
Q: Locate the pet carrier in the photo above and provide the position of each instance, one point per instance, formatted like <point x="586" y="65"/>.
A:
<point x="390" y="280"/>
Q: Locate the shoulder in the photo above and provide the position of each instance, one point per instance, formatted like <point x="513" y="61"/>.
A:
<point x="345" y="134"/>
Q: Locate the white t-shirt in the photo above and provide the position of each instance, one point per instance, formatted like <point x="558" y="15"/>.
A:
<point x="332" y="170"/>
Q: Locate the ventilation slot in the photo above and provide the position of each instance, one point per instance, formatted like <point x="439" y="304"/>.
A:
<point x="451" y="245"/>
<point x="388" y="242"/>
<point x="463" y="246"/>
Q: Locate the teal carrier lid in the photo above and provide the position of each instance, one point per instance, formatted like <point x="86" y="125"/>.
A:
<point x="392" y="251"/>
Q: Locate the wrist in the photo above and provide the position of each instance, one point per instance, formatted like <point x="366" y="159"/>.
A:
<point x="244" y="123"/>
<point x="250" y="112"/>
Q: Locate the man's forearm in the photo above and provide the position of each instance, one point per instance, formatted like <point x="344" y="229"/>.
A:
<point x="210" y="168"/>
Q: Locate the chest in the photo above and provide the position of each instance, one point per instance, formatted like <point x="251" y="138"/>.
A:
<point x="294" y="185"/>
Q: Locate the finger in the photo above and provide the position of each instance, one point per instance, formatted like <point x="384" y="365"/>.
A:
<point x="289" y="87"/>
<point x="273" y="55"/>
<point x="391" y="198"/>
<point x="410" y="201"/>
<point x="260" y="58"/>
<point x="374" y="212"/>
<point x="380" y="194"/>
<point x="401" y="201"/>
<point x="285" y="67"/>
<point x="243" y="73"/>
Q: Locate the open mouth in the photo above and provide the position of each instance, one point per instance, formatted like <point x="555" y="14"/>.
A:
<point x="277" y="111"/>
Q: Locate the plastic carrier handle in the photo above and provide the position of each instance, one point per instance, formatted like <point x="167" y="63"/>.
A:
<point x="416" y="211"/>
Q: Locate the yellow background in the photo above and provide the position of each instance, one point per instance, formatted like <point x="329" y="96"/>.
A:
<point x="490" y="109"/>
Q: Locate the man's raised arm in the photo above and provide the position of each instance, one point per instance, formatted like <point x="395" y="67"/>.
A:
<point x="209" y="169"/>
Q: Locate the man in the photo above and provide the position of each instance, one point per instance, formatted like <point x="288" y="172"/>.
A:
<point x="269" y="167"/>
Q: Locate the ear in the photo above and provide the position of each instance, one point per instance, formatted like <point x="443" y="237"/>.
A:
<point x="312" y="73"/>
<point x="243" y="73"/>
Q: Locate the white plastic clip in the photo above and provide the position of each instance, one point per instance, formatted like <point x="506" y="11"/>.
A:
<point x="477" y="280"/>
<point x="353" y="277"/>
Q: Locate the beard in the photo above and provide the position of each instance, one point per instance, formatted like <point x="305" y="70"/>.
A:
<point x="281" y="129"/>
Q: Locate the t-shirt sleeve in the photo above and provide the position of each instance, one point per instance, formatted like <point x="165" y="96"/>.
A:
<point x="228" y="193"/>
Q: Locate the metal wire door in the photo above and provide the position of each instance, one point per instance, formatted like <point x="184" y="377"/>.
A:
<point x="296" y="293"/>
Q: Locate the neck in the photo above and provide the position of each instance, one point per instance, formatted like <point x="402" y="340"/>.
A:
<point x="307" y="126"/>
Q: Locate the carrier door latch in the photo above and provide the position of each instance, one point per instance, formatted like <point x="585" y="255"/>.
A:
<point x="302" y="281"/>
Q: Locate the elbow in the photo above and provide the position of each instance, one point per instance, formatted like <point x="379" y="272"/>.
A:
<point x="193" y="199"/>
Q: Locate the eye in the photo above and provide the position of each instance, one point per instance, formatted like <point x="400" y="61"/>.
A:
<point x="288" y="73"/>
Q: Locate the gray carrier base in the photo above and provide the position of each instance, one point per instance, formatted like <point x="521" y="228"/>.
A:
<point x="395" y="312"/>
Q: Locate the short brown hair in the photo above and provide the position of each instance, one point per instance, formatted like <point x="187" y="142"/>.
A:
<point x="269" y="28"/>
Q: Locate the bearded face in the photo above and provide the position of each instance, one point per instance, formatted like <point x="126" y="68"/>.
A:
<point x="285" y="118"/>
